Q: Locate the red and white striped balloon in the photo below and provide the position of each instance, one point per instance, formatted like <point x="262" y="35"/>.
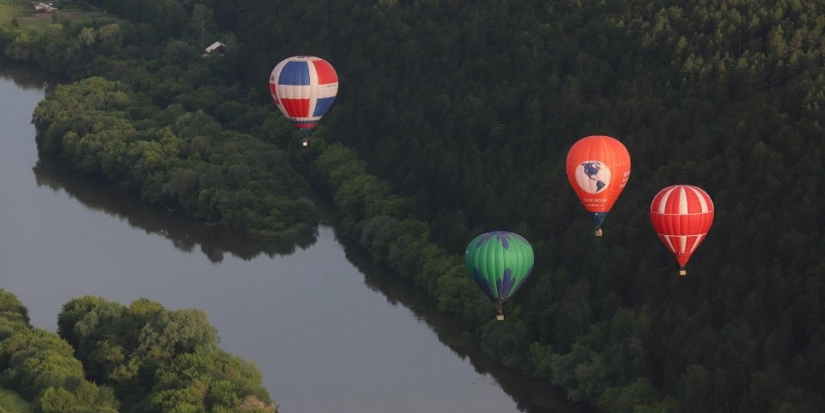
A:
<point x="303" y="88"/>
<point x="682" y="216"/>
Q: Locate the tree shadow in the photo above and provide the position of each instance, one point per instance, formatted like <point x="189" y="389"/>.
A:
<point x="28" y="77"/>
<point x="531" y="395"/>
<point x="186" y="233"/>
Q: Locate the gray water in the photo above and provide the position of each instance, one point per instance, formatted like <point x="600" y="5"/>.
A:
<point x="330" y="333"/>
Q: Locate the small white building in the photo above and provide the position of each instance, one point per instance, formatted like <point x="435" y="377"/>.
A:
<point x="216" y="47"/>
<point x="44" y="8"/>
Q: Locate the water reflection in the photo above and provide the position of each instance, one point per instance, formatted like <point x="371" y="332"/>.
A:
<point x="27" y="77"/>
<point x="185" y="233"/>
<point x="530" y="395"/>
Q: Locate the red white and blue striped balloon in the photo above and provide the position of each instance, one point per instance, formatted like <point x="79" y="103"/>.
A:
<point x="682" y="216"/>
<point x="303" y="88"/>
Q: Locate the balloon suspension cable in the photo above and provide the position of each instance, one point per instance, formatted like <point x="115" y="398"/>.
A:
<point x="500" y="315"/>
<point x="598" y="231"/>
<point x="682" y="271"/>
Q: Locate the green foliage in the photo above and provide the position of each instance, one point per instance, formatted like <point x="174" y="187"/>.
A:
<point x="40" y="366"/>
<point x="11" y="402"/>
<point x="157" y="360"/>
<point x="11" y="308"/>
<point x="177" y="158"/>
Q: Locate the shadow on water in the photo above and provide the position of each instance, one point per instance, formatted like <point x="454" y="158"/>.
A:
<point x="28" y="77"/>
<point x="185" y="233"/>
<point x="530" y="395"/>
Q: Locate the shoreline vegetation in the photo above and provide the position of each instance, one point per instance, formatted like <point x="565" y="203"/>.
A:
<point x="440" y="133"/>
<point x="178" y="159"/>
<point x="107" y="358"/>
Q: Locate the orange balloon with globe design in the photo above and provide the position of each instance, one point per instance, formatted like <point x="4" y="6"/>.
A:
<point x="598" y="168"/>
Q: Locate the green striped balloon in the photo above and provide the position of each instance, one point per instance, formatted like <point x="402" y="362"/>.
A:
<point x="499" y="262"/>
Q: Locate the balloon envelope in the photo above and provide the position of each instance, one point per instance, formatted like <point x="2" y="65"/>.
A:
<point x="303" y="88"/>
<point x="499" y="262"/>
<point x="682" y="216"/>
<point x="598" y="168"/>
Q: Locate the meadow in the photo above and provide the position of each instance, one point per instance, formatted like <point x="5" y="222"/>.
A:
<point x="27" y="18"/>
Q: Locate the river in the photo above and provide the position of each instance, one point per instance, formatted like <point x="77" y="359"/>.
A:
<point x="330" y="333"/>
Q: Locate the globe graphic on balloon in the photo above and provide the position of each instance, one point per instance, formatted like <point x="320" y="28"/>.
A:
<point x="593" y="176"/>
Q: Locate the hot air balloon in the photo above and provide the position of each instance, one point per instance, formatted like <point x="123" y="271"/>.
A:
<point x="598" y="168"/>
<point x="303" y="88"/>
<point x="682" y="216"/>
<point x="499" y="262"/>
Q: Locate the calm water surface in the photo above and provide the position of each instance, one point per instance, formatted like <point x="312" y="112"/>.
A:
<point x="329" y="333"/>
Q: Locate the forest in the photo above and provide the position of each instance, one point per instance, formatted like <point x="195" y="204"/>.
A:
<point x="454" y="119"/>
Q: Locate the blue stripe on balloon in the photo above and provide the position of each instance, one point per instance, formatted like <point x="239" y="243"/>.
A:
<point x="504" y="237"/>
<point x="294" y="73"/>
<point x="483" y="238"/>
<point x="483" y="284"/>
<point x="322" y="106"/>
<point x="507" y="284"/>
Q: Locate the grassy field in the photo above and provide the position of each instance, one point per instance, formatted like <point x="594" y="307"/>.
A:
<point x="11" y="402"/>
<point x="7" y="12"/>
<point x="10" y="9"/>
<point x="27" y="19"/>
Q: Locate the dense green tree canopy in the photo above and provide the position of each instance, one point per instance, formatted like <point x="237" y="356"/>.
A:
<point x="469" y="109"/>
<point x="41" y="367"/>
<point x="109" y="358"/>
<point x="158" y="360"/>
<point x="176" y="158"/>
